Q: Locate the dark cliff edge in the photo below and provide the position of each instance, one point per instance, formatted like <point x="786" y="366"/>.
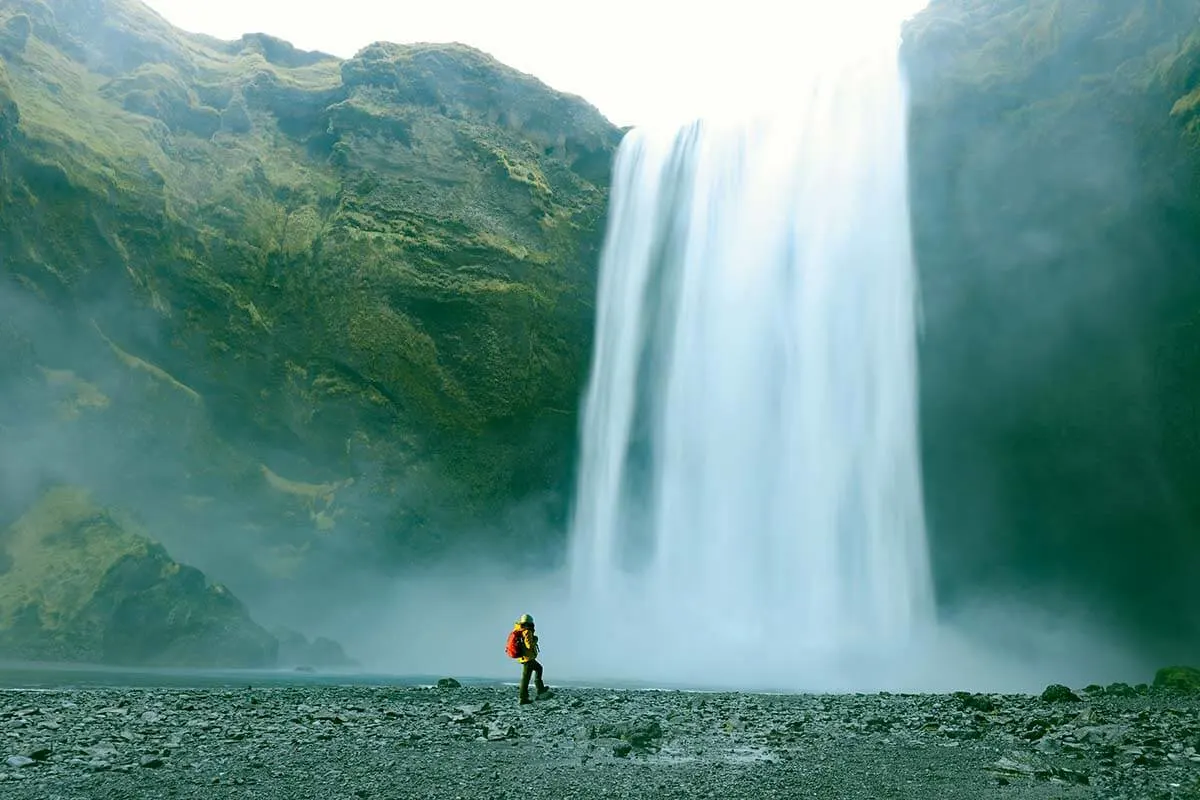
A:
<point x="1056" y="204"/>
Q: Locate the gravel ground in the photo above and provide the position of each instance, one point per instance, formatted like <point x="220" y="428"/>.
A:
<point x="353" y="743"/>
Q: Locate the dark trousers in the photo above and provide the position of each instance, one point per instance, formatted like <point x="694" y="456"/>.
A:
<point x="532" y="669"/>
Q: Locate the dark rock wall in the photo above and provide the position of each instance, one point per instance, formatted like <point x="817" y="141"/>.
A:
<point x="1056" y="212"/>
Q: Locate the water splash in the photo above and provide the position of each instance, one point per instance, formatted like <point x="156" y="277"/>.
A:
<point x="749" y="489"/>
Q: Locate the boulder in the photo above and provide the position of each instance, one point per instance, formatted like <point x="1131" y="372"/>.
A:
<point x="1057" y="693"/>
<point x="1185" y="680"/>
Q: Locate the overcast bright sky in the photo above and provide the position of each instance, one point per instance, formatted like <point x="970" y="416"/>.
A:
<point x="638" y="61"/>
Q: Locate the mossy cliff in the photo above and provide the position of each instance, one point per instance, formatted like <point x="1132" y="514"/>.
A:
<point x="80" y="585"/>
<point x="293" y="311"/>
<point x="1056" y="203"/>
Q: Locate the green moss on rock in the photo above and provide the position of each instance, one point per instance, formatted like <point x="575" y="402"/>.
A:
<point x="9" y="115"/>
<point x="378" y="270"/>
<point x="14" y="34"/>
<point x="80" y="585"/>
<point x="1178" y="679"/>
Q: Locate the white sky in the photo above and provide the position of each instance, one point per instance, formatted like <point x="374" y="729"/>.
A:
<point x="638" y="61"/>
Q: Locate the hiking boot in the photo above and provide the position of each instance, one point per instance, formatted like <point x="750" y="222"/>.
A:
<point x="524" y="701"/>
<point x="543" y="691"/>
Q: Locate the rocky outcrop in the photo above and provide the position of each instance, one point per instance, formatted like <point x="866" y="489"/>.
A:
<point x="1184" y="680"/>
<point x="293" y="311"/>
<point x="296" y="651"/>
<point x="78" y="584"/>
<point x="1055" y="185"/>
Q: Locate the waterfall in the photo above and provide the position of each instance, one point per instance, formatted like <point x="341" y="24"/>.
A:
<point x="749" y="491"/>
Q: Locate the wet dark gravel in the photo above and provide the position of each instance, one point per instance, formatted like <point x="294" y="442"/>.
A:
<point x="354" y="743"/>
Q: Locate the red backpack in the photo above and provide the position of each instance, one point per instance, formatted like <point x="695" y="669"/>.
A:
<point x="516" y="643"/>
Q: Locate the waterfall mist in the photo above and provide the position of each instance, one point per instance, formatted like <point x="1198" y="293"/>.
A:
<point x="749" y="501"/>
<point x="750" y="469"/>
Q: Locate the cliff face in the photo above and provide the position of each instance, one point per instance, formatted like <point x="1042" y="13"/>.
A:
<point x="291" y="310"/>
<point x="79" y="584"/>
<point x="1056" y="201"/>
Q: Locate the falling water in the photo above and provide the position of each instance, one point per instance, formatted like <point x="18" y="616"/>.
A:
<point x="749" y="494"/>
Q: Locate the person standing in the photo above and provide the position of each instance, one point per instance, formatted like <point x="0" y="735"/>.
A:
<point x="523" y="646"/>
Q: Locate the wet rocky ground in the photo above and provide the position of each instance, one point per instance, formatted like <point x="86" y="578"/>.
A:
<point x="354" y="743"/>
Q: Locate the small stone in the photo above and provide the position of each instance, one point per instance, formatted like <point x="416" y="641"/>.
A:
<point x="496" y="732"/>
<point x="448" y="683"/>
<point x="1102" y="734"/>
<point x="150" y="762"/>
<point x="101" y="751"/>
<point x="1047" y="745"/>
<point x="976" y="702"/>
<point x="1011" y="767"/>
<point x="17" y="762"/>
<point x="1070" y="776"/>
<point x="39" y="753"/>
<point x="1057" y="693"/>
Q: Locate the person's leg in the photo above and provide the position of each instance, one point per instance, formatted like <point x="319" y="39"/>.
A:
<point x="526" y="672"/>
<point x="537" y="676"/>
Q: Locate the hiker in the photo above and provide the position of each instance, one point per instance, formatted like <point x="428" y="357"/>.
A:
<point x="523" y="646"/>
